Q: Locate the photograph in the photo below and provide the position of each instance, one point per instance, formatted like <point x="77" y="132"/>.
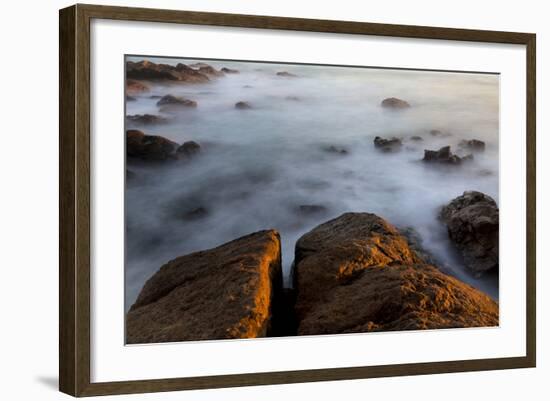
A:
<point x="267" y="199"/>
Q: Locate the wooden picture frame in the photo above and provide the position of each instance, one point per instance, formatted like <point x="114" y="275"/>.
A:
<point x="74" y="204"/>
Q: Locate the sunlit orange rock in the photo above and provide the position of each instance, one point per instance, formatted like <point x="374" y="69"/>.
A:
<point x="221" y="293"/>
<point x="357" y="273"/>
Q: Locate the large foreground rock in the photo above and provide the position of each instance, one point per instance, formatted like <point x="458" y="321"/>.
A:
<point x="357" y="273"/>
<point x="472" y="222"/>
<point x="221" y="293"/>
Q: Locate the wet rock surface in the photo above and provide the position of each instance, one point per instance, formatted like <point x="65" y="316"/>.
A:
<point x="146" y="119"/>
<point x="243" y="105"/>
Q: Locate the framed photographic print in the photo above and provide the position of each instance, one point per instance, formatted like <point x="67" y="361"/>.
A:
<point x="250" y="200"/>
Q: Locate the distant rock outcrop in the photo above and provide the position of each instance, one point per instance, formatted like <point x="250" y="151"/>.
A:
<point x="243" y="105"/>
<point x="357" y="273"/>
<point x="472" y="221"/>
<point x="171" y="100"/>
<point x="395" y="103"/>
<point x="286" y="74"/>
<point x="444" y="156"/>
<point x="151" y="71"/>
<point x="221" y="293"/>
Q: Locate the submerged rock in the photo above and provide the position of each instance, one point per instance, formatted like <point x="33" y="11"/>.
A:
<point x="286" y="74"/>
<point x="472" y="221"/>
<point x="416" y="138"/>
<point x="473" y="145"/>
<point x="445" y="156"/>
<point x="195" y="214"/>
<point x="335" y="149"/>
<point x="189" y="148"/>
<point x="229" y="70"/>
<point x="243" y="105"/>
<point x="172" y="100"/>
<point x="130" y="98"/>
<point x="439" y="133"/>
<point x="220" y="293"/>
<point x="395" y="103"/>
<point x="151" y="71"/>
<point x="146" y="119"/>
<point x="357" y="273"/>
<point x="209" y="70"/>
<point x="149" y="147"/>
<point x="387" y="145"/>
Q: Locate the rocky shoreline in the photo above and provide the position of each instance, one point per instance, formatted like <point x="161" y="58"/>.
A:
<point x="351" y="274"/>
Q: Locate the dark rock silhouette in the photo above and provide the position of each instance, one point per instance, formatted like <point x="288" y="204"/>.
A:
<point x="387" y="145"/>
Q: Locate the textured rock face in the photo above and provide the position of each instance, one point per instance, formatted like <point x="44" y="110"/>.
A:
<point x="357" y="273"/>
<point x="149" y="147"/>
<point x="472" y="222"/>
<point x="151" y="71"/>
<point x="225" y="292"/>
<point x="395" y="103"/>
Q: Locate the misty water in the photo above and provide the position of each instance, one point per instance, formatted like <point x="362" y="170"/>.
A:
<point x="257" y="167"/>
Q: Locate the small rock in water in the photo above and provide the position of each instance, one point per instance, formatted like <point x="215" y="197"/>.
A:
<point x="189" y="148"/>
<point x="243" y="105"/>
<point x="395" y="103"/>
<point x="229" y="70"/>
<point x="134" y="87"/>
<point x="387" y="145"/>
<point x="146" y="119"/>
<point x="444" y="156"/>
<point x="473" y="145"/>
<point x="416" y="138"/>
<point x="295" y="98"/>
<point x="285" y="74"/>
<point x="176" y="101"/>
<point x="130" y="98"/>
<point x="335" y="149"/>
